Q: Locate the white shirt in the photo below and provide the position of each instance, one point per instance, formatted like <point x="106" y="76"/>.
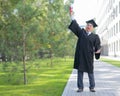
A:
<point x="89" y="33"/>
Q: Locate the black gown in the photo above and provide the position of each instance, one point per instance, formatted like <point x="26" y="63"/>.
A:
<point x="87" y="45"/>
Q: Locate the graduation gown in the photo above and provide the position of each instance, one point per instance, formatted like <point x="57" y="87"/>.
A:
<point x="85" y="48"/>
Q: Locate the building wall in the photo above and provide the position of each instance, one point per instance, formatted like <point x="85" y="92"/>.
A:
<point x="108" y="19"/>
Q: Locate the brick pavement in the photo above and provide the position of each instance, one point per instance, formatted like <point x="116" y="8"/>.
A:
<point x="107" y="78"/>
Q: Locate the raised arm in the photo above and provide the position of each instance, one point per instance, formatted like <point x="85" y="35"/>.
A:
<point x="74" y="27"/>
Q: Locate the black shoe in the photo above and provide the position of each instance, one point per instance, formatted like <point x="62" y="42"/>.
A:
<point x="80" y="90"/>
<point x="92" y="90"/>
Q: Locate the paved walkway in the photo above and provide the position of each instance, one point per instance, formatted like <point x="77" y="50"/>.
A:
<point x="107" y="79"/>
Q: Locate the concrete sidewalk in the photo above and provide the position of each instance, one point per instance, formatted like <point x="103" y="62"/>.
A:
<point x="107" y="79"/>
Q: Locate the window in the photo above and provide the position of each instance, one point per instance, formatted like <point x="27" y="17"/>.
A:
<point x="116" y="12"/>
<point x="116" y="27"/>
<point x="116" y="45"/>
<point x="119" y="25"/>
<point x="119" y="7"/>
<point x="114" y="31"/>
<point x="119" y="45"/>
<point x="113" y="1"/>
<point x="112" y="47"/>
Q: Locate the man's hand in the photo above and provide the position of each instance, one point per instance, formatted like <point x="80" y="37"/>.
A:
<point x="98" y="51"/>
<point x="71" y="12"/>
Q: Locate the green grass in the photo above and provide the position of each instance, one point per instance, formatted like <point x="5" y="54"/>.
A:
<point x="43" y="80"/>
<point x="113" y="62"/>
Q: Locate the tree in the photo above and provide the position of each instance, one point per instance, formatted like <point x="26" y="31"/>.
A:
<point x="30" y="26"/>
<point x="19" y="24"/>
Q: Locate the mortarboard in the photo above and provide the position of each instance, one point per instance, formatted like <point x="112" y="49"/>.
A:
<point x="92" y="22"/>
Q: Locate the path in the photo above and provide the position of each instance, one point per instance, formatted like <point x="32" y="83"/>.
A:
<point x="107" y="79"/>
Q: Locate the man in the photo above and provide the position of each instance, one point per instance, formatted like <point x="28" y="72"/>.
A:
<point x="88" y="44"/>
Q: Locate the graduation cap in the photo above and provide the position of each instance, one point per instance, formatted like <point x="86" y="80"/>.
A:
<point x="97" y="55"/>
<point x="92" y="22"/>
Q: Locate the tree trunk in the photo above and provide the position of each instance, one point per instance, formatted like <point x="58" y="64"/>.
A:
<point x="24" y="64"/>
<point x="24" y="50"/>
<point x="51" y="58"/>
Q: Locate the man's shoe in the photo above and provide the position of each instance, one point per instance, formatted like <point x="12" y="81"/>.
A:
<point x="92" y="90"/>
<point x="80" y="90"/>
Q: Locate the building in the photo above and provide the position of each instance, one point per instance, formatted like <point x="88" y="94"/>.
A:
<point x="108" y="19"/>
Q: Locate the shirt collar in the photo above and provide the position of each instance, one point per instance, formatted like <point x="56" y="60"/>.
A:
<point x="89" y="33"/>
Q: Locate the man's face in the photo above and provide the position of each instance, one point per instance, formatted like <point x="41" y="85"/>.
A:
<point x="89" y="27"/>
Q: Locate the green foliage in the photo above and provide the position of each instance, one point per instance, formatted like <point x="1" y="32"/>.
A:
<point x="31" y="26"/>
<point x="43" y="24"/>
<point x="113" y="62"/>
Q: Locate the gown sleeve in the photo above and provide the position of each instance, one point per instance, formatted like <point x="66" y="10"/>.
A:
<point x="75" y="28"/>
<point x="97" y="46"/>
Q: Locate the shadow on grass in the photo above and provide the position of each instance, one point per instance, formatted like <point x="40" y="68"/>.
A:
<point x="53" y="88"/>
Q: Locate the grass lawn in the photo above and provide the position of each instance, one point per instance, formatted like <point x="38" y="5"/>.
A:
<point x="43" y="80"/>
<point x="113" y="62"/>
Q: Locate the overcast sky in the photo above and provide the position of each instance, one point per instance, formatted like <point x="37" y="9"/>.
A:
<point x="84" y="10"/>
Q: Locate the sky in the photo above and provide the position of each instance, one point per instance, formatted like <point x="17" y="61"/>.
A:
<point x="84" y="10"/>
